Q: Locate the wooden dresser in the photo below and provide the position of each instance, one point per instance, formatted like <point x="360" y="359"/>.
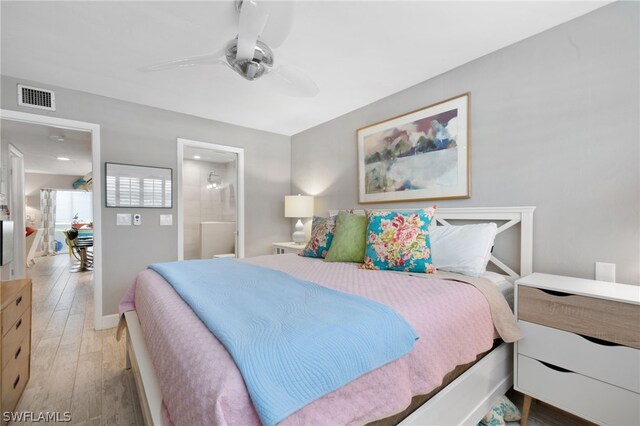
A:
<point x="581" y="347"/>
<point x="16" y="340"/>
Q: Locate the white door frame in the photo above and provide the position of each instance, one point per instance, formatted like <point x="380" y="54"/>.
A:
<point x="182" y="143"/>
<point x="16" y="207"/>
<point x="101" y="322"/>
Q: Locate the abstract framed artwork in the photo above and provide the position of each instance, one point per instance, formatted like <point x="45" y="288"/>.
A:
<point x="421" y="155"/>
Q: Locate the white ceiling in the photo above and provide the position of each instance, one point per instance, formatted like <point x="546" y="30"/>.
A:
<point x="41" y="152"/>
<point x="357" y="51"/>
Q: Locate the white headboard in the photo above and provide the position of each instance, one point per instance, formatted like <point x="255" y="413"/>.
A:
<point x="510" y="215"/>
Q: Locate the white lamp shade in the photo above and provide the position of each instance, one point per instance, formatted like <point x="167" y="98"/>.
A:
<point x="298" y="206"/>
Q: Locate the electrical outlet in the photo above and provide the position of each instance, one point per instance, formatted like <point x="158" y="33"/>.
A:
<point x="137" y="219"/>
<point x="606" y="272"/>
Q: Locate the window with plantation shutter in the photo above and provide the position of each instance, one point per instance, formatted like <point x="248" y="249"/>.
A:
<point x="153" y="193"/>
<point x="167" y="193"/>
<point x="111" y="191"/>
<point x="128" y="191"/>
<point x="138" y="186"/>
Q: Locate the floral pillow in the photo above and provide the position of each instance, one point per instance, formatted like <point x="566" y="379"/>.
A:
<point x="322" y="230"/>
<point x="399" y="241"/>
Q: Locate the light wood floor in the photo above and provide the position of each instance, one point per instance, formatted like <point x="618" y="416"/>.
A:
<point x="545" y="415"/>
<point x="75" y="368"/>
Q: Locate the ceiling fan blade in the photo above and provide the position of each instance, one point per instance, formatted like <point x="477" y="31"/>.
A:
<point x="253" y="18"/>
<point x="279" y="24"/>
<point x="292" y="81"/>
<point x="209" y="59"/>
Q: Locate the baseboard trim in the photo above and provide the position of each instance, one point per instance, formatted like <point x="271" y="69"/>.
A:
<point x="108" y="321"/>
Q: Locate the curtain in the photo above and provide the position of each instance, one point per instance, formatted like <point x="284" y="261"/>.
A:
<point x="48" y="209"/>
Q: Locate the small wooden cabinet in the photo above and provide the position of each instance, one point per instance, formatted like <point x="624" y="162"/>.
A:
<point x="581" y="347"/>
<point x="283" y="248"/>
<point x="15" y="352"/>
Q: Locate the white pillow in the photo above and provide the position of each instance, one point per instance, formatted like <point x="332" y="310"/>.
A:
<point x="463" y="249"/>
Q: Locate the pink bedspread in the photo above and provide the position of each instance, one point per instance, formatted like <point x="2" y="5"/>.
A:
<point x="201" y="384"/>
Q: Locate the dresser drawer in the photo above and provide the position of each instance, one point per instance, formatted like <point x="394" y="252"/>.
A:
<point x="15" y="309"/>
<point x="12" y="341"/>
<point x="14" y="378"/>
<point x="610" y="363"/>
<point x="600" y="318"/>
<point x="589" y="398"/>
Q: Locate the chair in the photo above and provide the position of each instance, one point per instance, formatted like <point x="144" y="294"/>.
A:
<point x="80" y="251"/>
<point x="32" y="242"/>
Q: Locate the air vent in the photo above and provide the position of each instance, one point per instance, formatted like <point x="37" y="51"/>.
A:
<point x="35" y="97"/>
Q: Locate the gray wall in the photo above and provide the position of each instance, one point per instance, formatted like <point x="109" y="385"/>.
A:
<point x="136" y="134"/>
<point x="554" y="124"/>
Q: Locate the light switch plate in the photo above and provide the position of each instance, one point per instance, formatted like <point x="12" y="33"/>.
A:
<point x="123" y="219"/>
<point x="166" y="220"/>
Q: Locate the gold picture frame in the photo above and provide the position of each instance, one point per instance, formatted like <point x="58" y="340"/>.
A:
<point x="421" y="155"/>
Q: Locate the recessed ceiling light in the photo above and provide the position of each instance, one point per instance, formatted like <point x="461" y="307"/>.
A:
<point x="57" y="138"/>
<point x="63" y="159"/>
<point x="196" y="157"/>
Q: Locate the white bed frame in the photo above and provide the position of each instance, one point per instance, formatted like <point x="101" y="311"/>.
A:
<point x="463" y="402"/>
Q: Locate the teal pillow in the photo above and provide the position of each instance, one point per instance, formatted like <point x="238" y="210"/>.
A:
<point x="349" y="239"/>
<point x="322" y="230"/>
<point x="399" y="241"/>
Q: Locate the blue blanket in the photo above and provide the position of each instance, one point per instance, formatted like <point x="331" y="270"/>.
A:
<point x="293" y="341"/>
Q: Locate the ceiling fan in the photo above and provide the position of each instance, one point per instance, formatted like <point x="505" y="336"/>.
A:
<point x="262" y="25"/>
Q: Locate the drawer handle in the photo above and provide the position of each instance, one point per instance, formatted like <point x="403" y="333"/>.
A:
<point x="553" y="367"/>
<point x="18" y="352"/>
<point x="555" y="293"/>
<point x="15" y="383"/>
<point x="19" y="323"/>
<point x="598" y="341"/>
<point x="18" y="300"/>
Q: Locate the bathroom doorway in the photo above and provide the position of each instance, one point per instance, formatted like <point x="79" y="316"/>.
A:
<point x="210" y="200"/>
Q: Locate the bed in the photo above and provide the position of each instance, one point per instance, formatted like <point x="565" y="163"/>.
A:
<point x="153" y="346"/>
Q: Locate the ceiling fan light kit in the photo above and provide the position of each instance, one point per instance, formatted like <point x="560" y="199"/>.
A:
<point x="248" y="55"/>
<point x="254" y="68"/>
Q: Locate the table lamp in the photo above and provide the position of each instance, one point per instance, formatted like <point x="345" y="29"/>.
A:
<point x="298" y="206"/>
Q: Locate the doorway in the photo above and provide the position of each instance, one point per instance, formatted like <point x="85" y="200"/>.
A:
<point x="16" y="208"/>
<point x="56" y="128"/>
<point x="210" y="200"/>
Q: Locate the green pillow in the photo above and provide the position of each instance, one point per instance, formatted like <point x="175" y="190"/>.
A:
<point x="349" y="239"/>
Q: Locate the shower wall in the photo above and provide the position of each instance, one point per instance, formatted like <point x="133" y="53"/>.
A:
<point x="206" y="205"/>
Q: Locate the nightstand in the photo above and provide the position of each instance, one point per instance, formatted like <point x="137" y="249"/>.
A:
<point x="581" y="347"/>
<point x="282" y="248"/>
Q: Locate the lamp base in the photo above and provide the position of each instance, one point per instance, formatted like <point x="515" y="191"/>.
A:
<point x="298" y="236"/>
